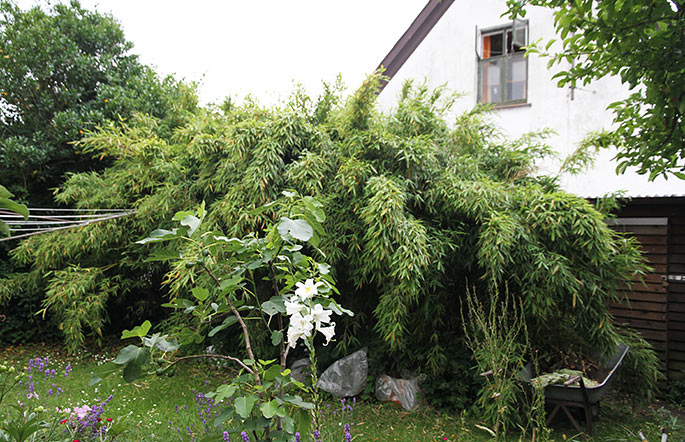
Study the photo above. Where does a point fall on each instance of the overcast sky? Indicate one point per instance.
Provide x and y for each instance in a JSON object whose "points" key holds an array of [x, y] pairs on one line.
{"points": [[261, 47]]}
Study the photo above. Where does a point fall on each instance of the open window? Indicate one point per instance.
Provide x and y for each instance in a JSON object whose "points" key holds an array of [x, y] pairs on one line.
{"points": [[502, 67]]}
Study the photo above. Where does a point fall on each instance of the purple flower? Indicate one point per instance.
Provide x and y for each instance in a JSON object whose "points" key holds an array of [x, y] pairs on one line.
{"points": [[297, 437], [226, 436], [348, 434], [317, 436], [245, 437]]}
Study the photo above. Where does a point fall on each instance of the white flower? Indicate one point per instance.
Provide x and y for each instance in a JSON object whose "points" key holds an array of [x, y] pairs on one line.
{"points": [[321, 315], [300, 327], [328, 332], [292, 307], [307, 290]]}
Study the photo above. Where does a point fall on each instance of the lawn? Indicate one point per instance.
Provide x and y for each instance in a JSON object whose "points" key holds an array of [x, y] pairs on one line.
{"points": [[175, 409]]}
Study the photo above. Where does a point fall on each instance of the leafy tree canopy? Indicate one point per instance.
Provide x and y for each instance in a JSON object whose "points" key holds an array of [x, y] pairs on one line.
{"points": [[417, 211], [641, 41], [61, 73]]}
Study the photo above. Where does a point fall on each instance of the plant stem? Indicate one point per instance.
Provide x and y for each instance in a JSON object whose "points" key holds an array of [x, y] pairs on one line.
{"points": [[246, 333]]}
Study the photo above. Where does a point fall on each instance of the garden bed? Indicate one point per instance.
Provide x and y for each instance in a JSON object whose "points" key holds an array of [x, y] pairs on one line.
{"points": [[167, 408]]}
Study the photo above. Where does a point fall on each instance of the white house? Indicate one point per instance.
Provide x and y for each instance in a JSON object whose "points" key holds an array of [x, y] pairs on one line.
{"points": [[472, 48]]}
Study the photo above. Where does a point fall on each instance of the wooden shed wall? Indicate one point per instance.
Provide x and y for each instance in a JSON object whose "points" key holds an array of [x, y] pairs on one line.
{"points": [[676, 298], [657, 309], [647, 306]]}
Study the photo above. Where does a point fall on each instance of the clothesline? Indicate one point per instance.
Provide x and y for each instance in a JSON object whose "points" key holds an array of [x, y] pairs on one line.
{"points": [[46, 222]]}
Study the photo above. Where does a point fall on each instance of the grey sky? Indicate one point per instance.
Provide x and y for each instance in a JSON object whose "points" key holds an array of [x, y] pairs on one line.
{"points": [[261, 47]]}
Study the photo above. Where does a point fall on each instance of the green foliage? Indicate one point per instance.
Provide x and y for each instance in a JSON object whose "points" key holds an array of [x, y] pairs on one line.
{"points": [[7, 204], [642, 42], [63, 72], [413, 212], [21, 324], [498, 339], [263, 397], [635, 378]]}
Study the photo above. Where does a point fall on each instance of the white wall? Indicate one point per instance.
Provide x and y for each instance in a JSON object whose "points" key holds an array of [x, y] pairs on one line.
{"points": [[447, 56]]}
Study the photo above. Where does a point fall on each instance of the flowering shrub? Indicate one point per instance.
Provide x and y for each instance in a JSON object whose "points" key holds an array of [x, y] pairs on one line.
{"points": [[86, 423], [262, 401], [30, 419]]}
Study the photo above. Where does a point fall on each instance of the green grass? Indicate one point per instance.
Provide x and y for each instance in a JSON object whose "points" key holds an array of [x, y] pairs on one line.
{"points": [[148, 405]]}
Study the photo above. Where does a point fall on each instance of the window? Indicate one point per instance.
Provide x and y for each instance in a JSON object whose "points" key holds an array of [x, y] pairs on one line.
{"points": [[502, 69]]}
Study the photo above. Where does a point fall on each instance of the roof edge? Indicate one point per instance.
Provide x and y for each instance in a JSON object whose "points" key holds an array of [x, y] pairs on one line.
{"points": [[412, 38]]}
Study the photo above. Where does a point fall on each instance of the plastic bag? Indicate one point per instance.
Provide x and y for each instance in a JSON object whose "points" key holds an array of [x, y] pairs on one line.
{"points": [[347, 376], [400, 391], [300, 370]]}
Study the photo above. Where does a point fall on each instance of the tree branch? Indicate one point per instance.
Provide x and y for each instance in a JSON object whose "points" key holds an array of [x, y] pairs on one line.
{"points": [[246, 333], [230, 358]]}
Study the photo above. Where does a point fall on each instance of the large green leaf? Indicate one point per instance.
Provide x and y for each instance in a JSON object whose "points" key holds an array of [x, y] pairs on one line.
{"points": [[223, 391], [228, 413], [4, 193], [295, 228], [103, 371], [192, 222], [244, 404], [200, 293], [276, 338], [164, 343], [270, 409], [138, 331], [8, 204], [134, 360], [162, 235], [274, 306], [230, 320]]}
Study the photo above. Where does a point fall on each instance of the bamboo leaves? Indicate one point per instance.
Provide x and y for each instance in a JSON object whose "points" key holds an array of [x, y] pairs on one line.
{"points": [[415, 209]]}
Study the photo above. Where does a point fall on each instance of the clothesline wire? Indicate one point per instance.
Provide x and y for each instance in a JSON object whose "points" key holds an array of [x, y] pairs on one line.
{"points": [[78, 221]]}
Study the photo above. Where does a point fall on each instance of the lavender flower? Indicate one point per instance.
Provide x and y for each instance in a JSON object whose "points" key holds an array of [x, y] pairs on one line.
{"points": [[317, 436], [348, 434], [245, 437], [226, 436], [297, 437]]}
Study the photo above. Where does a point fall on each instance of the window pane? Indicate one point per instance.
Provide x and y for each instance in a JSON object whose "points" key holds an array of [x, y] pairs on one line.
{"points": [[519, 40], [519, 37], [516, 78], [491, 91], [492, 45]]}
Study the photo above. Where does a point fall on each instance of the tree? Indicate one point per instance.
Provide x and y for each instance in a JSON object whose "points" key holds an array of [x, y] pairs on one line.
{"points": [[62, 73], [641, 41], [417, 212]]}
